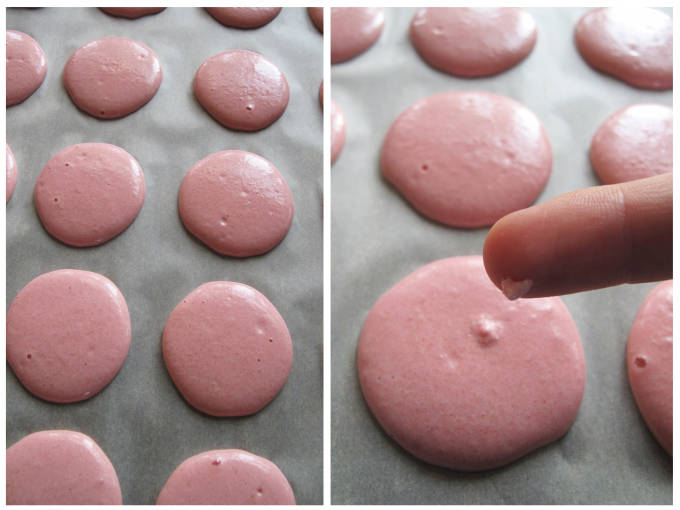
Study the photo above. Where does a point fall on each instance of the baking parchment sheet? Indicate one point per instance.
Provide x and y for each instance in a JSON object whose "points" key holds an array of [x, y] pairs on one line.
{"points": [[609, 455], [140, 420]]}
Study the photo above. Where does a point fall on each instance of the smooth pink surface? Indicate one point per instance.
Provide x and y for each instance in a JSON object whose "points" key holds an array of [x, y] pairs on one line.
{"points": [[89, 193], [354, 30], [11, 168], [634, 143], [241, 89], [226, 477], [244, 17], [473, 41], [227, 349], [338, 131], [650, 362], [112, 77], [316, 15], [632, 44], [465, 158], [237, 203], [68, 332], [132, 12], [60, 467], [462, 377], [26, 66]]}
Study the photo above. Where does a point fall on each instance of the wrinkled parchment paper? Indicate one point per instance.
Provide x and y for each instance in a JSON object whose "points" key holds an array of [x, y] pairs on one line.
{"points": [[609, 455], [140, 420]]}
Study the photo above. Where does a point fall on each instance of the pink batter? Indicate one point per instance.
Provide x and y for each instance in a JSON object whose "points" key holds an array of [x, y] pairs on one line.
{"points": [[463, 378], [244, 17], [112, 77], [26, 66], [632, 44], [60, 467], [338, 131], [338, 127], [466, 159], [132, 12], [11, 168], [316, 15], [650, 362], [473, 41], [354, 30], [237, 203], [89, 193], [634, 143], [242, 90], [68, 333], [226, 477], [227, 349]]}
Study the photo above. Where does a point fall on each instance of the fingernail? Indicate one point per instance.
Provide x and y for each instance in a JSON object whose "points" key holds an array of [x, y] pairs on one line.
{"points": [[514, 289]]}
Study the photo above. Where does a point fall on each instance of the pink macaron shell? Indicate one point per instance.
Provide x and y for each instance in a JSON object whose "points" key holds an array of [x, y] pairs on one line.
{"points": [[227, 349], [354, 30], [634, 143], [242, 90], [649, 358], [60, 467], [131, 12], [467, 158], [26, 66], [237, 203], [244, 17], [226, 477], [338, 131], [68, 333], [463, 378], [112, 77], [475, 41], [634, 44], [89, 193], [11, 168], [316, 15]]}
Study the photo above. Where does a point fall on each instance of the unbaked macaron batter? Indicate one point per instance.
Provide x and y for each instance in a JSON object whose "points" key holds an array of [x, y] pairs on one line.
{"points": [[226, 477], [242, 90], [466, 158], [634, 143], [473, 41], [112, 77], [633, 44], [316, 15], [462, 377], [338, 131], [68, 333], [354, 30], [338, 127], [131, 12], [11, 169], [237, 203], [227, 349], [60, 467], [89, 193], [26, 66], [649, 358], [244, 17]]}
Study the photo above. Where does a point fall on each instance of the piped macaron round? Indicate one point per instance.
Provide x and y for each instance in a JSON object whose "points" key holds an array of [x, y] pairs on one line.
{"points": [[112, 77]]}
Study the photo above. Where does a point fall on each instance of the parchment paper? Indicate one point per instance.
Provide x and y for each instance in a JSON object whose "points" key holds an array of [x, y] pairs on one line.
{"points": [[608, 456], [140, 420]]}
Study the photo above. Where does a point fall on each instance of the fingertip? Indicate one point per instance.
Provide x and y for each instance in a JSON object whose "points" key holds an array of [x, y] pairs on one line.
{"points": [[503, 256], [490, 255], [583, 240]]}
